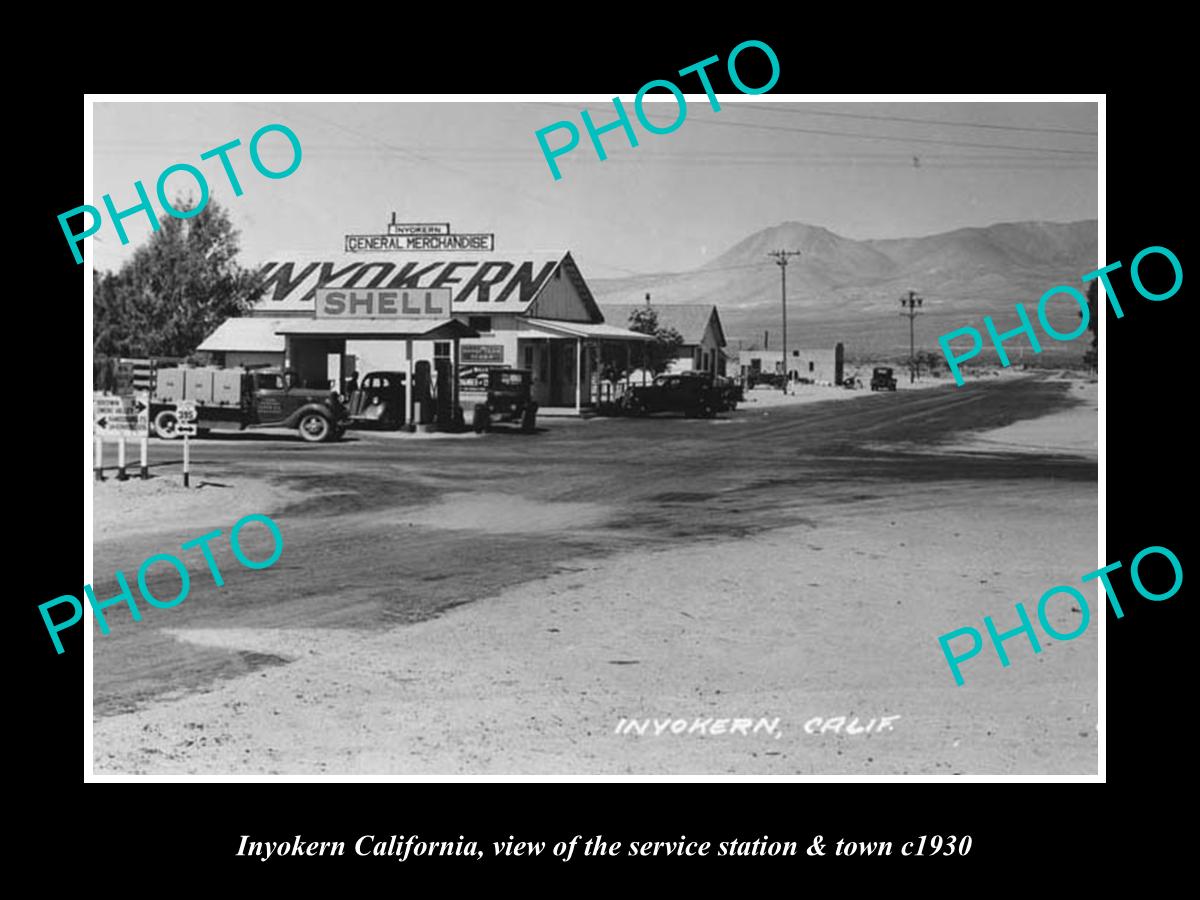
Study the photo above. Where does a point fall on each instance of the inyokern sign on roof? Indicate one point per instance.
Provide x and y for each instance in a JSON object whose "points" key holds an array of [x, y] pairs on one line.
{"points": [[478, 284]]}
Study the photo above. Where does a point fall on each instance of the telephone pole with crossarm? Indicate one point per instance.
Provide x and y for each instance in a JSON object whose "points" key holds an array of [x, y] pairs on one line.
{"points": [[781, 259]]}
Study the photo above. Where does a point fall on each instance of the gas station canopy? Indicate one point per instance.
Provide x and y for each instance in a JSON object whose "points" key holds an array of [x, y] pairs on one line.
{"points": [[380, 329]]}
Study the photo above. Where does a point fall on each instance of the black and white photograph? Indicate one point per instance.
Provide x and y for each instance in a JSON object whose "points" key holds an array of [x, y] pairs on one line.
{"points": [[732, 434]]}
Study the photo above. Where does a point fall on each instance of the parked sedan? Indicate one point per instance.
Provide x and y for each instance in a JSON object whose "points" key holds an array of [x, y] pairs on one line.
{"points": [[692, 393]]}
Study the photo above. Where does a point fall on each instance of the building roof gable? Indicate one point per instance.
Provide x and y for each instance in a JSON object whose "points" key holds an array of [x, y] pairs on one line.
{"points": [[691, 320]]}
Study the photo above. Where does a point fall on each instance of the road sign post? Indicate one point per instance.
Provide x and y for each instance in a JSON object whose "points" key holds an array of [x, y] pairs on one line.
{"points": [[185, 417], [121, 416]]}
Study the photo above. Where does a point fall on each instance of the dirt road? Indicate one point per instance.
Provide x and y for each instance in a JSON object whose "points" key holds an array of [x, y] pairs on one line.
{"points": [[500, 603]]}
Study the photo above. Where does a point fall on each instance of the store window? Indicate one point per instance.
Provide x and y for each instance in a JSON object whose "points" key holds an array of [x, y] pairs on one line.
{"points": [[810, 365], [480, 323], [441, 349]]}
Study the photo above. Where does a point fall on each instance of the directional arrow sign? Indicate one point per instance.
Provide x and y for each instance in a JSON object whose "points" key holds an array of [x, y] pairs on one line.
{"points": [[117, 416]]}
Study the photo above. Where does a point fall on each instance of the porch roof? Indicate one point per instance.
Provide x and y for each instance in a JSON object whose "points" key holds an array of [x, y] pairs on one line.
{"points": [[597, 330]]}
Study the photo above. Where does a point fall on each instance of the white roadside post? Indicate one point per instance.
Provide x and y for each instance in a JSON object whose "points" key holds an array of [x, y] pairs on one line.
{"points": [[142, 406], [185, 417], [120, 416]]}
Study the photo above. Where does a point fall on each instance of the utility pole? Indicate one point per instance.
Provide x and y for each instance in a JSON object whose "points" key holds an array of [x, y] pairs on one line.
{"points": [[645, 358], [781, 260], [911, 304]]}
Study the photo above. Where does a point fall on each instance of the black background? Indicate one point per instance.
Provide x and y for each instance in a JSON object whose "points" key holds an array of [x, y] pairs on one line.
{"points": [[1017, 829]]}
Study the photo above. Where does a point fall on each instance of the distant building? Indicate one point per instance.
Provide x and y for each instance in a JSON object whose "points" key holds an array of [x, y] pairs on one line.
{"points": [[822, 366], [698, 324]]}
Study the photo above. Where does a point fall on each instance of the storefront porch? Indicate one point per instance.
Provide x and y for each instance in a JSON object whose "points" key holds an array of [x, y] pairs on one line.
{"points": [[565, 359]]}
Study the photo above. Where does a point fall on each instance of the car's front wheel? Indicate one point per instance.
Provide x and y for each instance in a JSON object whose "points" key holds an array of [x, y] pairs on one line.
{"points": [[314, 428]]}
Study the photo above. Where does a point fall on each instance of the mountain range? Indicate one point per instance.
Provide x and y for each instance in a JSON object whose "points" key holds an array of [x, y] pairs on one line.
{"points": [[846, 290]]}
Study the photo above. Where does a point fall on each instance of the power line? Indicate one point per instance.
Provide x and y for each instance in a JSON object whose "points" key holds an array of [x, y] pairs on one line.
{"points": [[869, 137], [844, 115]]}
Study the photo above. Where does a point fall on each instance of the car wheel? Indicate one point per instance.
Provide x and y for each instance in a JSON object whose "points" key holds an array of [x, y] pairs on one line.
{"points": [[479, 420], [529, 419], [166, 425], [314, 428]]}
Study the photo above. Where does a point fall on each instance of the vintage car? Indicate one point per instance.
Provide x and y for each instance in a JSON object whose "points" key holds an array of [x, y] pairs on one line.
{"points": [[692, 393], [883, 379], [731, 390], [379, 401], [759, 377], [498, 395]]}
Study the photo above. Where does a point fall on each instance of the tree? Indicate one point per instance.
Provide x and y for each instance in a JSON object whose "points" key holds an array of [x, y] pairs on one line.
{"points": [[656, 356], [928, 360], [1092, 357], [175, 289]]}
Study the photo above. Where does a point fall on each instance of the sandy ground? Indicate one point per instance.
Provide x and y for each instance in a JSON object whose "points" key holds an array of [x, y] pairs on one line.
{"points": [[801, 394], [141, 507], [655, 635], [804, 623], [1071, 431]]}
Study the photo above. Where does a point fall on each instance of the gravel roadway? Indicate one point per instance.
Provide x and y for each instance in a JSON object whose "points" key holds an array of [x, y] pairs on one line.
{"points": [[499, 604]]}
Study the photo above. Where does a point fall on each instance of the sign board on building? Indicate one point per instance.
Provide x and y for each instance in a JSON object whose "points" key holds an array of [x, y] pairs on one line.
{"points": [[481, 285], [121, 416], [378, 303], [489, 354], [395, 227], [444, 243], [407, 236]]}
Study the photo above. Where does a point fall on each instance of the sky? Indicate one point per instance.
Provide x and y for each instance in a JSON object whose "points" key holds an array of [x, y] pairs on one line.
{"points": [[674, 202]]}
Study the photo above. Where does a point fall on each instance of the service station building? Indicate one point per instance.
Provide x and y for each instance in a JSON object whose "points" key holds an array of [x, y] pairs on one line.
{"points": [[429, 319]]}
